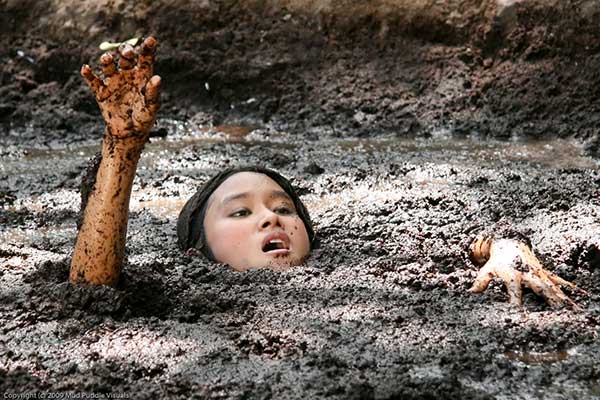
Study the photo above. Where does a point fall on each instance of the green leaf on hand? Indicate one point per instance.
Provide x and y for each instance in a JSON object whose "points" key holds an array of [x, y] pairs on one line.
{"points": [[106, 46]]}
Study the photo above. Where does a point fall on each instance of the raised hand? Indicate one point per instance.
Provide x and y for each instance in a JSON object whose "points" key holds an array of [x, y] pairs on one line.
{"points": [[128, 95], [514, 262], [128, 98]]}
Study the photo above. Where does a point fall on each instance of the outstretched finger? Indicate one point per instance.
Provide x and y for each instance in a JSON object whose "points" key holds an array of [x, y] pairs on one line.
{"points": [[147, 115], [554, 296], [127, 60], [107, 64], [93, 81], [152, 91], [484, 277], [146, 57], [560, 281], [513, 287]]}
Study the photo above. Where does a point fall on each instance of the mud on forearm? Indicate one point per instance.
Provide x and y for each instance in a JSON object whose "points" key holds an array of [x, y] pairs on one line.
{"points": [[107, 186], [88, 180], [86, 187]]}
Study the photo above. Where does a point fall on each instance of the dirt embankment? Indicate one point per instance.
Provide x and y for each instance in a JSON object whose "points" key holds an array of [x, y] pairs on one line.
{"points": [[512, 68]]}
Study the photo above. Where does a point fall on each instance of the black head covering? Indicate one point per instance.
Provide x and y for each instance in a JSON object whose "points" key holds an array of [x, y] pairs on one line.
{"points": [[190, 223]]}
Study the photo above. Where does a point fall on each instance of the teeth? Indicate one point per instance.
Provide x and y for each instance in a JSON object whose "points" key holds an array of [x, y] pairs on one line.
{"points": [[275, 241]]}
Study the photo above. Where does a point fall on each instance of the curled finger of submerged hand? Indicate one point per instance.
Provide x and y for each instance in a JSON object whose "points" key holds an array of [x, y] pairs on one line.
{"points": [[107, 64], [479, 250], [86, 71], [127, 51], [127, 60], [149, 46], [153, 90], [146, 58], [91, 79]]}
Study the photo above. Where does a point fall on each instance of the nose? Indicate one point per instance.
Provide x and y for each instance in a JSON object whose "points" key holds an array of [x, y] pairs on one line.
{"points": [[269, 219]]}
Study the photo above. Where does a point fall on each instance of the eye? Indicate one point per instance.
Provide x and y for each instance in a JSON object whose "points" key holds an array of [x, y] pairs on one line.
{"points": [[284, 210], [240, 213]]}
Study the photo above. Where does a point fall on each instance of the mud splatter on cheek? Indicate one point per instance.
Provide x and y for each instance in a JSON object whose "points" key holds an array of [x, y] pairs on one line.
{"points": [[295, 228]]}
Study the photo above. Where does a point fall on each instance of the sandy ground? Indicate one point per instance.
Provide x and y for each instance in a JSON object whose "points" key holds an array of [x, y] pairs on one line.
{"points": [[404, 148]]}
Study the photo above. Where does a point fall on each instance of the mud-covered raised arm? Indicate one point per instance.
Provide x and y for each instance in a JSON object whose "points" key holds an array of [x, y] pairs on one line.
{"points": [[516, 265], [128, 97]]}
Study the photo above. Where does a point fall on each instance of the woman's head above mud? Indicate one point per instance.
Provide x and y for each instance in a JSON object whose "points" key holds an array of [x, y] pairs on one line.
{"points": [[247, 217]]}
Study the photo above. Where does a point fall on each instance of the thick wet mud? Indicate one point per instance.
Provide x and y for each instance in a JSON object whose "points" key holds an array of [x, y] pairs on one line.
{"points": [[380, 310], [408, 128]]}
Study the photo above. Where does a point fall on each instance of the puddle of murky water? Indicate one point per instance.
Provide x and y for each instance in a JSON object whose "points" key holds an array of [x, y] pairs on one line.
{"points": [[554, 153], [159, 155], [161, 207], [32, 161], [537, 358], [233, 130]]}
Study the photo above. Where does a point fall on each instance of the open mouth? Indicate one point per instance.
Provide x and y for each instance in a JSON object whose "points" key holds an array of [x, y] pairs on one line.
{"points": [[276, 243]]}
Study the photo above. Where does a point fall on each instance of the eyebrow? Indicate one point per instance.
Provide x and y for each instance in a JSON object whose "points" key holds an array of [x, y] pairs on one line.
{"points": [[277, 194], [280, 194]]}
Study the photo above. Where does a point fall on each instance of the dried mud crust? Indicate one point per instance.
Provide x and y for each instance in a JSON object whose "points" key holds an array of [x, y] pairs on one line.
{"points": [[358, 68]]}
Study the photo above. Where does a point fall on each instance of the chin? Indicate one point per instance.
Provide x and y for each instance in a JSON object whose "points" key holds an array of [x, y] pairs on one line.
{"points": [[275, 264], [281, 266], [285, 263]]}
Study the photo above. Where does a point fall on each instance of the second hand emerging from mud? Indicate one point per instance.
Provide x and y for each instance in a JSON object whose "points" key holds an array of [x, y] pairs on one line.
{"points": [[515, 264]]}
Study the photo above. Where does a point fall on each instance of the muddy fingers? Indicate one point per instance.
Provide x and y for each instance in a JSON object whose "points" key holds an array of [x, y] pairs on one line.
{"points": [[128, 98], [484, 277], [542, 286], [152, 90], [513, 282], [94, 82], [146, 57], [127, 59], [515, 264], [151, 101], [107, 64], [560, 281]]}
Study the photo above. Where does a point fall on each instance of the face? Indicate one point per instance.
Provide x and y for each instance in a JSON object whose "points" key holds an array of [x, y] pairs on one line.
{"points": [[251, 222]]}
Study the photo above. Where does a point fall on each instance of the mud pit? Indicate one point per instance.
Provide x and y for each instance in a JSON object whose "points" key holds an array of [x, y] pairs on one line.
{"points": [[380, 310]]}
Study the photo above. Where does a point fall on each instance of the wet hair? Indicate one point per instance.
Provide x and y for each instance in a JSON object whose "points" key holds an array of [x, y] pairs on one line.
{"points": [[190, 223]]}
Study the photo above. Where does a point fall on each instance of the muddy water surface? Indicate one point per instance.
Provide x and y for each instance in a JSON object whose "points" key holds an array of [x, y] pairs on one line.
{"points": [[380, 310]]}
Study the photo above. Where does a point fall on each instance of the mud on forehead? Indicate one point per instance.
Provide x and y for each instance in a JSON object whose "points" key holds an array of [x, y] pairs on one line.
{"points": [[228, 191]]}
